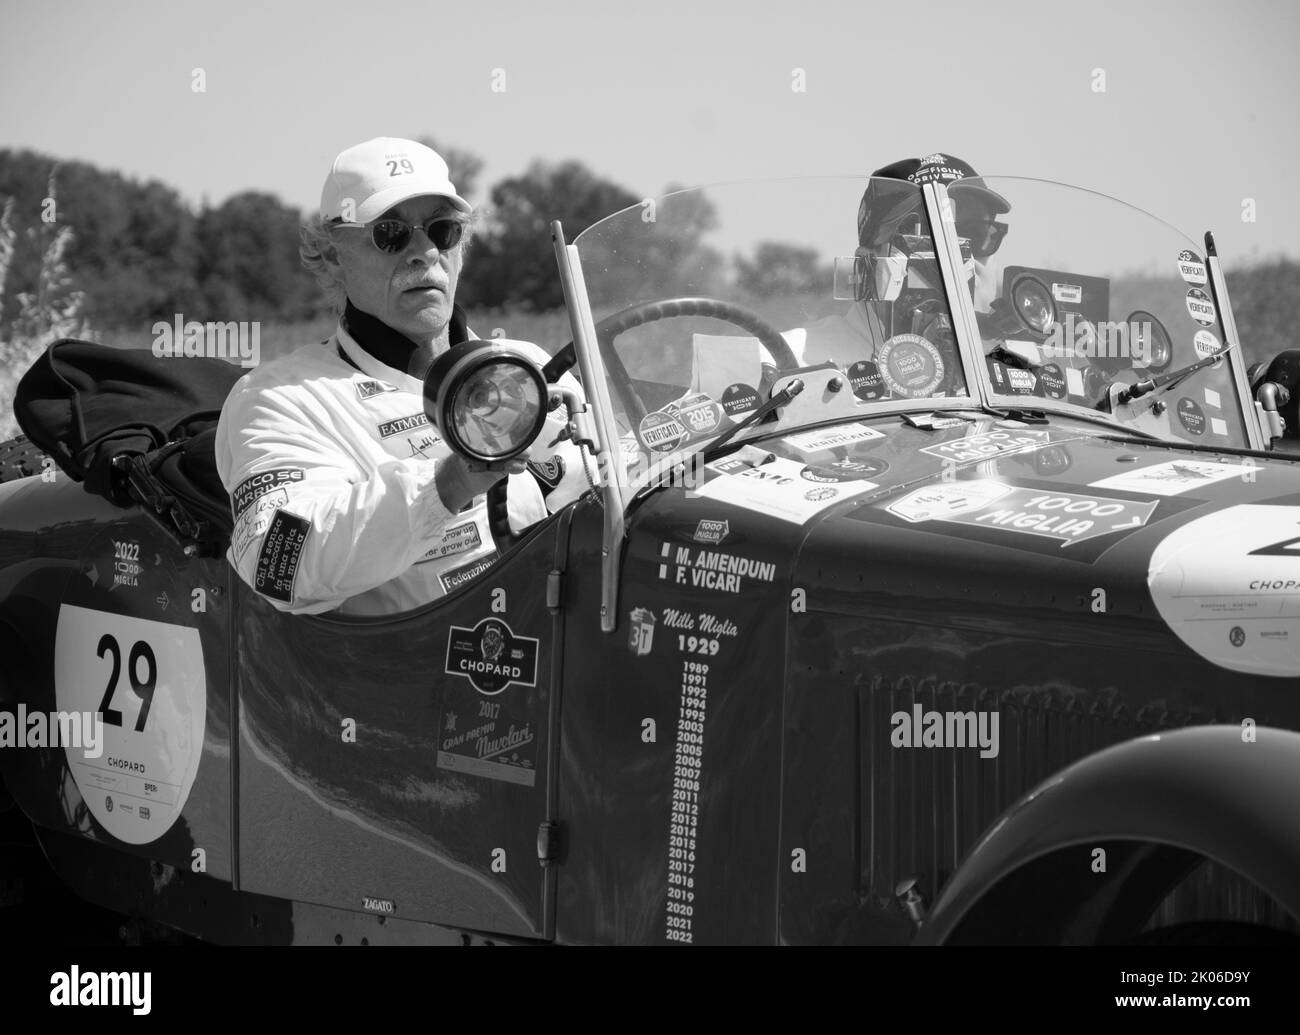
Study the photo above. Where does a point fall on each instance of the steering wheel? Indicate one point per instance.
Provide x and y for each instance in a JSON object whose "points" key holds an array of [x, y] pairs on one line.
{"points": [[606, 331], [646, 312]]}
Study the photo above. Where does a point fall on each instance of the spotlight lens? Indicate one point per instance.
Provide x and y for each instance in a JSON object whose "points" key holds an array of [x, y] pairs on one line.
{"points": [[1034, 305], [495, 412], [1149, 341]]}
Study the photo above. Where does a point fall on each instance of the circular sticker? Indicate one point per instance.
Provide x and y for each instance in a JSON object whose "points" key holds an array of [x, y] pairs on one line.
{"points": [[1205, 344], [1201, 307], [1191, 416], [860, 466], [849, 470], [1225, 581], [124, 661], [661, 432], [739, 398], [865, 380], [1053, 380], [699, 415], [1191, 268], [910, 365]]}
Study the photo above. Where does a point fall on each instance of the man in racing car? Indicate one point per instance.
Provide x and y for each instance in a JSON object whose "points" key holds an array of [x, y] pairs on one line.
{"points": [[891, 220], [344, 495]]}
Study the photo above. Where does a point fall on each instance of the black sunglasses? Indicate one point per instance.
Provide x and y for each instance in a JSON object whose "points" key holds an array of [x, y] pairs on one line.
{"points": [[970, 227], [393, 235]]}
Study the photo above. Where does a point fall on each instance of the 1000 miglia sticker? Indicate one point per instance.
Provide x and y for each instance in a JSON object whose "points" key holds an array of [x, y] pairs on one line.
{"points": [[1228, 584]]}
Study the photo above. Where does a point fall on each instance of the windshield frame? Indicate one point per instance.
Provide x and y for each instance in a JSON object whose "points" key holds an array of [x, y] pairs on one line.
{"points": [[972, 346], [618, 494]]}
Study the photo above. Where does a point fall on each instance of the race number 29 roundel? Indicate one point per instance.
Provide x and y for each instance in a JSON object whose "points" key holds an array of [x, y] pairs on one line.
{"points": [[122, 653], [1228, 584]]}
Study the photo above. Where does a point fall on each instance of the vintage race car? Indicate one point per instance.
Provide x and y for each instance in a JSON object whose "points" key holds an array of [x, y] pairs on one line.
{"points": [[923, 596]]}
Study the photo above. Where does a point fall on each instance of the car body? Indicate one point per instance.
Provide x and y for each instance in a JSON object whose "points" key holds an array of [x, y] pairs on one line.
{"points": [[957, 646]]}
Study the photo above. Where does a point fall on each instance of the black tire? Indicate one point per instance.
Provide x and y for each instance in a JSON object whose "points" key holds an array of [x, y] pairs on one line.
{"points": [[19, 458], [1218, 932]]}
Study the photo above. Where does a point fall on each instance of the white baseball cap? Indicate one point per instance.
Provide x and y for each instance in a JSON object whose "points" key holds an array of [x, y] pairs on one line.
{"points": [[368, 179]]}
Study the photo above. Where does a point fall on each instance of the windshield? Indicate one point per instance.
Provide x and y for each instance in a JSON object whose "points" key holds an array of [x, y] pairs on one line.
{"points": [[757, 279], [1075, 292]]}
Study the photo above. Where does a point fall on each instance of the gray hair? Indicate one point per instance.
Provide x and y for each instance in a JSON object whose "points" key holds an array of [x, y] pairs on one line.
{"points": [[316, 247]]}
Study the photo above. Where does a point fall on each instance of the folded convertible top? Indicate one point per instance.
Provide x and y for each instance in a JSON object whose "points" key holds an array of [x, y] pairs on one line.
{"points": [[88, 405]]}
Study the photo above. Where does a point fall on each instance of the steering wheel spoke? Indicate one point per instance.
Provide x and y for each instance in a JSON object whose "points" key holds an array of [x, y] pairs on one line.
{"points": [[647, 312]]}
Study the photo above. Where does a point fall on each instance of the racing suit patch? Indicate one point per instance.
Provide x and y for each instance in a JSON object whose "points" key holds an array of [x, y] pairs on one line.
{"points": [[369, 389], [455, 540], [260, 484], [277, 563], [254, 521], [457, 577], [402, 425], [550, 472]]}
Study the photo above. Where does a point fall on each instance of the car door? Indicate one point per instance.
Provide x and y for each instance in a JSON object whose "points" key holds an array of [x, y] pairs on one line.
{"points": [[404, 765]]}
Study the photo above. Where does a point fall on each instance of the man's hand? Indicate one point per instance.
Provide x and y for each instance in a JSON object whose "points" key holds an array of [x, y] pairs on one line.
{"points": [[460, 481]]}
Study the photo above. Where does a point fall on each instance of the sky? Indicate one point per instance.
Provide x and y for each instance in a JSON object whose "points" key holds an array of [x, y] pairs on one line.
{"points": [[1198, 111]]}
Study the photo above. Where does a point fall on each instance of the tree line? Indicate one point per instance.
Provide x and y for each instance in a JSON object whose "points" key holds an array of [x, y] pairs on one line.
{"points": [[138, 252]]}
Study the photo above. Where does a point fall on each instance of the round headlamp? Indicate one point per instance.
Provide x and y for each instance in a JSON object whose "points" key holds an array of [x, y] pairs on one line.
{"points": [[1033, 304], [1149, 343], [487, 399]]}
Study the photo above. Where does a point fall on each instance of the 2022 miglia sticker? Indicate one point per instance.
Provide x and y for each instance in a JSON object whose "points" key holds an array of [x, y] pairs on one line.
{"points": [[1228, 584], [146, 679]]}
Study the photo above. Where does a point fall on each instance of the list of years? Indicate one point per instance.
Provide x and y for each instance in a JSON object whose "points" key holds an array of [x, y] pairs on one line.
{"points": [[686, 801]]}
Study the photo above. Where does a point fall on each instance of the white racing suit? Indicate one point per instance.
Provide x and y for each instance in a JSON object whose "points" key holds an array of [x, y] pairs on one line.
{"points": [[330, 460]]}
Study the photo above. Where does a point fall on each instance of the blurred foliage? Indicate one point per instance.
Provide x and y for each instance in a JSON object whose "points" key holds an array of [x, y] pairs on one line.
{"points": [[780, 269], [52, 309], [118, 254], [1266, 303], [465, 166], [246, 264], [512, 262]]}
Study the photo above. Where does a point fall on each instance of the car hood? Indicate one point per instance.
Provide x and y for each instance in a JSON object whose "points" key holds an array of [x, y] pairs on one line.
{"points": [[988, 520]]}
